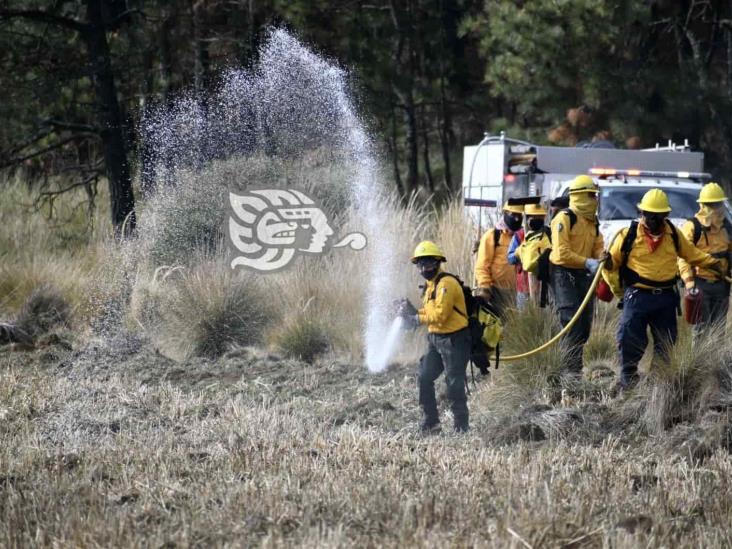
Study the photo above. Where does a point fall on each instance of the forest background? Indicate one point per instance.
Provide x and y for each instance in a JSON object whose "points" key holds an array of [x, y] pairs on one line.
{"points": [[430, 77]]}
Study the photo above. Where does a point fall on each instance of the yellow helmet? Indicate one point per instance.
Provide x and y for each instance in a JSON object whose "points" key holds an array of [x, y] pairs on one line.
{"points": [[654, 201], [711, 192], [534, 210], [513, 208], [582, 184], [427, 248]]}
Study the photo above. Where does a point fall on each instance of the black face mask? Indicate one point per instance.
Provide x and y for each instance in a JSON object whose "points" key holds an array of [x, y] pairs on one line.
{"points": [[536, 224], [654, 222], [512, 220], [428, 268]]}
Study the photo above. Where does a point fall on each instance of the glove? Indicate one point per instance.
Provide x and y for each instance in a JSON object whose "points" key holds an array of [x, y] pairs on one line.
{"points": [[405, 308], [484, 293], [690, 284], [608, 260], [410, 322], [592, 265]]}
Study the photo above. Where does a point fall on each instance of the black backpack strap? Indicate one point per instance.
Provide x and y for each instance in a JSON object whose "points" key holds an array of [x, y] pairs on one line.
{"points": [[629, 276], [628, 242], [674, 235], [697, 230], [496, 238], [439, 277], [572, 217]]}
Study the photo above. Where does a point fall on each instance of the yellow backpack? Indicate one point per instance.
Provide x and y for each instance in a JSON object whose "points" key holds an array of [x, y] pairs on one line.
{"points": [[492, 327], [532, 248]]}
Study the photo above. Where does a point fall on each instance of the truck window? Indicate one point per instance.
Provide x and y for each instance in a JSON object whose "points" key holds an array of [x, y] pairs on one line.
{"points": [[621, 202]]}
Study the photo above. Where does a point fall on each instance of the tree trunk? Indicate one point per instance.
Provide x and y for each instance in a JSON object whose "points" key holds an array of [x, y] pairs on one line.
{"points": [[426, 152], [110, 120], [201, 57], [410, 127], [394, 145]]}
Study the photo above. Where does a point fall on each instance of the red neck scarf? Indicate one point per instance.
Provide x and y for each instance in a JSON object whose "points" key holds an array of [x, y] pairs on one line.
{"points": [[652, 241]]}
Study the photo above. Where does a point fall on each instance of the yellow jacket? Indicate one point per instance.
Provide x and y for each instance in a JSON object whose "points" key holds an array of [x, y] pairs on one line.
{"points": [[659, 265], [445, 312], [571, 246], [714, 240], [492, 267]]}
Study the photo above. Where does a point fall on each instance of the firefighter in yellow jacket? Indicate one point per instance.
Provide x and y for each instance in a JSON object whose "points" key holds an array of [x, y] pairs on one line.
{"points": [[494, 275], [444, 312], [575, 257], [643, 270], [710, 232]]}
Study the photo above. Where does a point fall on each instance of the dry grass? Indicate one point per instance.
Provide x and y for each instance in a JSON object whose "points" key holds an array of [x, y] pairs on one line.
{"points": [[104, 441], [254, 452]]}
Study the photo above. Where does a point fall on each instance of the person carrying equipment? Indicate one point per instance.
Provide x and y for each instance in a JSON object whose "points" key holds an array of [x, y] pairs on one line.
{"points": [[711, 232], [494, 276], [526, 252], [643, 258], [575, 257], [445, 313]]}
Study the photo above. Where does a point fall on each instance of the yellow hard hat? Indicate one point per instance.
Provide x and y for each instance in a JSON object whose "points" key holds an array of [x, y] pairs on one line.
{"points": [[711, 192], [654, 201], [582, 184], [427, 248], [534, 210], [513, 208]]}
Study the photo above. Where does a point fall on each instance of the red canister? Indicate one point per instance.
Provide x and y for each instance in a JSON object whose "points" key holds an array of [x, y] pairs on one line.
{"points": [[603, 291], [693, 305]]}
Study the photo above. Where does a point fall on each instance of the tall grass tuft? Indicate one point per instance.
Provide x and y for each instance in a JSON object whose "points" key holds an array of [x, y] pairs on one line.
{"points": [[303, 337], [202, 310], [696, 377]]}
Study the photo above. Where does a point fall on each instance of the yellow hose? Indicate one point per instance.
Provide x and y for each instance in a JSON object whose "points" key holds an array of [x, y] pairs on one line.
{"points": [[569, 325]]}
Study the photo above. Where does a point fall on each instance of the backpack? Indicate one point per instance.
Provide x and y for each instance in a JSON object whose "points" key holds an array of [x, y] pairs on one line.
{"points": [[628, 277], [484, 325], [531, 250], [699, 230], [573, 219]]}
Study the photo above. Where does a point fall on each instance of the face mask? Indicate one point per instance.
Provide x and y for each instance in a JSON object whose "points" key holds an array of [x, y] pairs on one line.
{"points": [[536, 224], [512, 220], [585, 204], [711, 215], [428, 268], [654, 222]]}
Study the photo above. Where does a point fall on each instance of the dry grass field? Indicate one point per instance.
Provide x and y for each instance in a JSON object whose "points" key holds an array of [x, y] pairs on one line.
{"points": [[177, 422]]}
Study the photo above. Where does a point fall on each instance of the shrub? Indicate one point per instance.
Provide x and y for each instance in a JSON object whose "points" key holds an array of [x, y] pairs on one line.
{"points": [[202, 311], [303, 337]]}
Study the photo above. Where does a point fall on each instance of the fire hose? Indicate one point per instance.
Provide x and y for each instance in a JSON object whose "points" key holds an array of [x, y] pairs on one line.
{"points": [[572, 321]]}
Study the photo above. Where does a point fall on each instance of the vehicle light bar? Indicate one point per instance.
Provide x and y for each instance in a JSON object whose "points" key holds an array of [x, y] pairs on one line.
{"points": [[605, 172]]}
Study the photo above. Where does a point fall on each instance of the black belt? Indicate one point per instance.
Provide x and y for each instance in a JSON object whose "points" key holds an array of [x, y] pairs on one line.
{"points": [[655, 291]]}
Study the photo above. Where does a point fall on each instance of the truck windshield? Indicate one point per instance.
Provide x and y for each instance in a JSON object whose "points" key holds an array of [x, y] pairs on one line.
{"points": [[620, 202]]}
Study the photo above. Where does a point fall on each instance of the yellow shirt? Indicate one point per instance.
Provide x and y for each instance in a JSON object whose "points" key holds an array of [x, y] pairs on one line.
{"points": [[713, 240], [571, 246], [446, 312], [492, 267], [659, 265]]}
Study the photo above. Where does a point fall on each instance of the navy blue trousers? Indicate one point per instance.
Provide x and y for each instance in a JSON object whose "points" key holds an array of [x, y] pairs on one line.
{"points": [[641, 310]]}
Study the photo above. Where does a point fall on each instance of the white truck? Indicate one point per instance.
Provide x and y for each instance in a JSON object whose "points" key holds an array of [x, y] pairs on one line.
{"points": [[499, 168]]}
